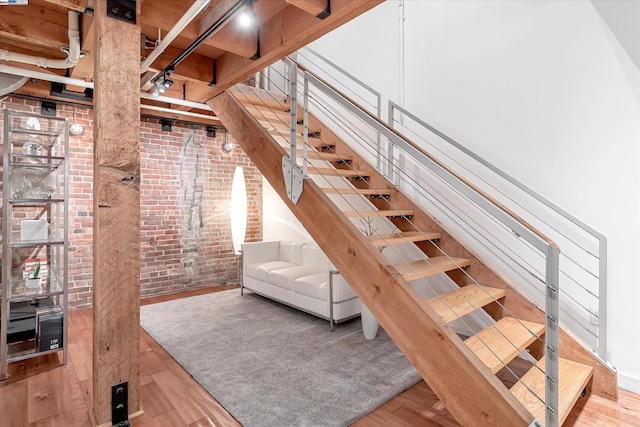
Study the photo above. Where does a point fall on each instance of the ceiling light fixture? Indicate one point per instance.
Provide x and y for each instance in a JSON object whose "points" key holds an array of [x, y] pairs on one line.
{"points": [[247, 18], [227, 146], [162, 83]]}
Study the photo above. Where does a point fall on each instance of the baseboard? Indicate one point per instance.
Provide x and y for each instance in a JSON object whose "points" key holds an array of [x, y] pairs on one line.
{"points": [[629, 383]]}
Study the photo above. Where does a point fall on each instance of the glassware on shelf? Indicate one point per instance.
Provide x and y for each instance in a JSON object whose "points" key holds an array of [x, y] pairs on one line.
{"points": [[33, 149], [32, 183]]}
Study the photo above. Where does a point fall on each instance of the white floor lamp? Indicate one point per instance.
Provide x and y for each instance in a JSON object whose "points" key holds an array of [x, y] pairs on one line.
{"points": [[238, 213]]}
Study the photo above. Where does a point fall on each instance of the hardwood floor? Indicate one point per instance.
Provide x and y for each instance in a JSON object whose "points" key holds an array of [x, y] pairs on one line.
{"points": [[41, 392]]}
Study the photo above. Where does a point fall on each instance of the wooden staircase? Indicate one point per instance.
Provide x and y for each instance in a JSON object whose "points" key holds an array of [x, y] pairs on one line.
{"points": [[460, 372]]}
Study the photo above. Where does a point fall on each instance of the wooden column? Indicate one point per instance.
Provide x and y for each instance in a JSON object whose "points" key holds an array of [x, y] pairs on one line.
{"points": [[116, 229]]}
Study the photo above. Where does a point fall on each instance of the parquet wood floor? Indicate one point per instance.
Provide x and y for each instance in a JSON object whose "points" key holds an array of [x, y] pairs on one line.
{"points": [[41, 392]]}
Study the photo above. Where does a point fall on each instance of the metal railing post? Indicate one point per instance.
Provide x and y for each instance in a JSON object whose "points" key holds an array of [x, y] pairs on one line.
{"points": [[379, 135], [305, 135], [390, 150], [602, 293], [293, 108], [552, 334]]}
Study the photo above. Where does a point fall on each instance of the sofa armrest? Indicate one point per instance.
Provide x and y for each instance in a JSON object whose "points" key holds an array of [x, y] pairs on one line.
{"points": [[341, 289], [256, 252]]}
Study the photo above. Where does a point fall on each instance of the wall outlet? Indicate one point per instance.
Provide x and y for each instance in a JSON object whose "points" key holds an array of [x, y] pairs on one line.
{"points": [[594, 316]]}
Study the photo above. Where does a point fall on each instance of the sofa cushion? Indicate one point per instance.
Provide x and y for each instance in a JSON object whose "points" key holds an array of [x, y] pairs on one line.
{"points": [[284, 277], [291, 252], [314, 286], [260, 270], [312, 256]]}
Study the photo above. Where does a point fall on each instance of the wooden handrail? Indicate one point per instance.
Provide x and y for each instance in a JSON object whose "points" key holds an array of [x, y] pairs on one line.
{"points": [[453, 173]]}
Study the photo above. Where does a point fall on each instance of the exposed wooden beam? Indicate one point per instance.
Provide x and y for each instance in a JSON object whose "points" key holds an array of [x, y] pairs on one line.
{"points": [[220, 7], [154, 14], [78, 5], [116, 229], [34, 24], [316, 8], [195, 67], [283, 34]]}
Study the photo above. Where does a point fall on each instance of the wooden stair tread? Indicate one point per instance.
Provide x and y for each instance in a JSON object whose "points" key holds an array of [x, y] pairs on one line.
{"points": [[339, 172], [429, 267], [278, 127], [312, 141], [260, 97], [403, 237], [387, 213], [500, 343], [362, 191], [465, 300], [572, 379], [323, 155]]}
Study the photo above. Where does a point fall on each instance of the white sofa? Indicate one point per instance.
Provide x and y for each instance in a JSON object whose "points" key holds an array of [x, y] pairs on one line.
{"points": [[299, 275]]}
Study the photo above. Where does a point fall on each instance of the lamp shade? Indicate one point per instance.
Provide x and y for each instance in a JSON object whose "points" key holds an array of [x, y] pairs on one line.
{"points": [[238, 209]]}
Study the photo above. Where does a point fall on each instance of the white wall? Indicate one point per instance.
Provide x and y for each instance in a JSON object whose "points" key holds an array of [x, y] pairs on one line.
{"points": [[545, 91]]}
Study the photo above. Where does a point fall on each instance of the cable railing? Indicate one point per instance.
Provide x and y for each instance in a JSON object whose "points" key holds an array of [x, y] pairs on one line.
{"points": [[510, 222], [583, 261]]}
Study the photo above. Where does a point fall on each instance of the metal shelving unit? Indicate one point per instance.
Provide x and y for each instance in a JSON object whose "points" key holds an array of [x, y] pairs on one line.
{"points": [[34, 231]]}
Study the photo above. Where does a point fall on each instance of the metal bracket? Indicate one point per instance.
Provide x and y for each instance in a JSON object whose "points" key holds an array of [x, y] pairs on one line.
{"points": [[124, 10], [215, 74], [293, 179], [257, 54], [326, 12], [120, 405], [407, 217], [48, 108]]}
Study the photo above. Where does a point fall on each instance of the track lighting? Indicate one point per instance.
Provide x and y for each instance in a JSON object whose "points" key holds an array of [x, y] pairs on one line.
{"points": [[163, 83]]}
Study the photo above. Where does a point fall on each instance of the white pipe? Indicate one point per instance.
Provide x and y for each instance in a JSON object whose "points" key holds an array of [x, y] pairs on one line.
{"points": [[73, 53], [13, 86], [177, 101], [8, 69], [197, 7], [182, 113]]}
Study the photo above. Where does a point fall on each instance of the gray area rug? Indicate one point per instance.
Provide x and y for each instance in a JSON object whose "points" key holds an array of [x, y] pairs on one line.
{"points": [[270, 365]]}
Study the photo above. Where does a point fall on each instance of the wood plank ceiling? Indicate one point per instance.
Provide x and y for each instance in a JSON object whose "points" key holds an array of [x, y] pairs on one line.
{"points": [[281, 27]]}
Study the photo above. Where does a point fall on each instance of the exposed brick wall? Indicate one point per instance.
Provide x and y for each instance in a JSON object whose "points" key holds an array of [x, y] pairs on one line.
{"points": [[185, 233]]}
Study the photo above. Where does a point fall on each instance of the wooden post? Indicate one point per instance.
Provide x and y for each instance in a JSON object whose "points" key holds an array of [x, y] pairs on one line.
{"points": [[116, 210]]}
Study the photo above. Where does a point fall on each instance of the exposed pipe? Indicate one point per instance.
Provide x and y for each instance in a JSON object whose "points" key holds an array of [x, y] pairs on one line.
{"points": [[13, 86], [182, 113], [177, 101], [9, 69], [73, 51], [197, 7]]}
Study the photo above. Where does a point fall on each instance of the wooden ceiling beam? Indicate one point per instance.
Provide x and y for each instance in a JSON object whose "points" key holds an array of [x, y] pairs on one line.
{"points": [[228, 38], [77, 5], [195, 67], [34, 25], [283, 34], [317, 8], [214, 14]]}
